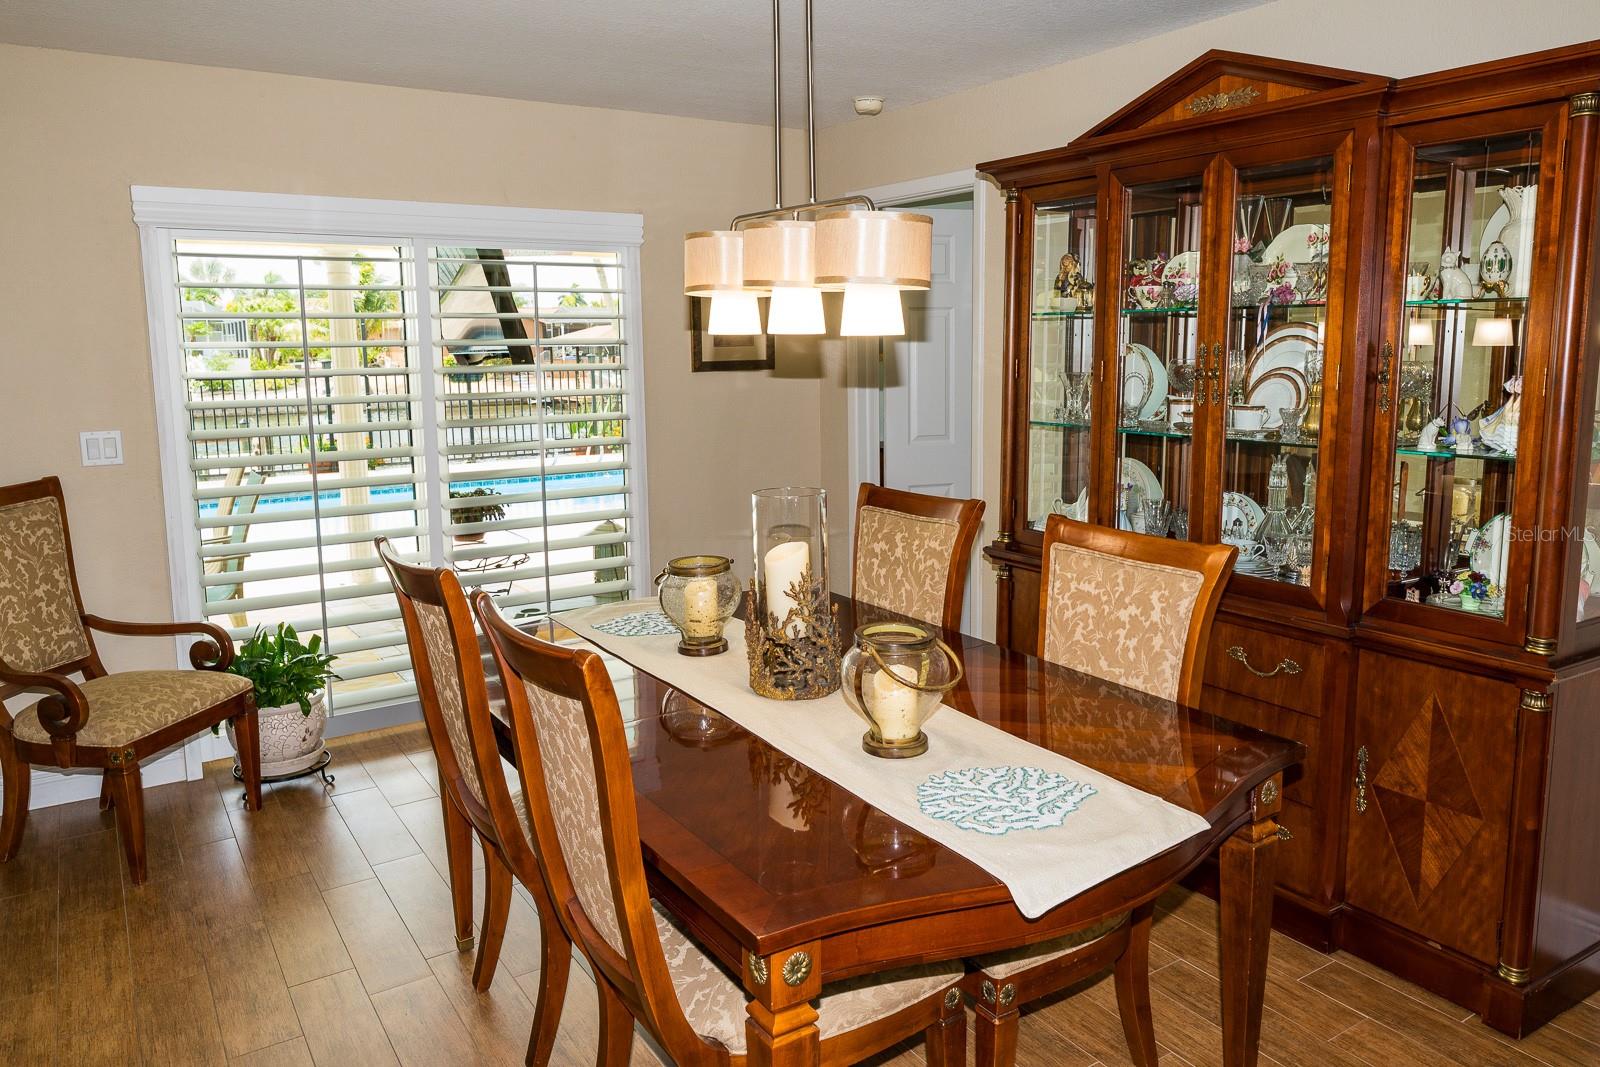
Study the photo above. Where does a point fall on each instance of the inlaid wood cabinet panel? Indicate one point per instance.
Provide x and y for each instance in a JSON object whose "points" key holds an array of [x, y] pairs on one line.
{"points": [[1430, 800]]}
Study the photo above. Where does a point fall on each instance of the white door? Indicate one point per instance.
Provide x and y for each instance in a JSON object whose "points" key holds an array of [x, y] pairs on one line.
{"points": [[927, 374], [926, 402]]}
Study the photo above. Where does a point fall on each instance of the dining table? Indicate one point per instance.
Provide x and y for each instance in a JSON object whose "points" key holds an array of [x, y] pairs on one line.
{"points": [[793, 882]]}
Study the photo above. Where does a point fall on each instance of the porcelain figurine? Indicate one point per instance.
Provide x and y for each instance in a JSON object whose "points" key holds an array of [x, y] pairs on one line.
{"points": [[1494, 270], [1428, 439], [1076, 291], [1461, 434], [1499, 429], [1454, 284], [1517, 235]]}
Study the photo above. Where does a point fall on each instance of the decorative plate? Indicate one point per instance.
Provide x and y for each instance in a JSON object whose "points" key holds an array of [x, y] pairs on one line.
{"points": [[1144, 380], [1240, 507], [1275, 376], [1146, 486], [1488, 548], [997, 800], [1183, 267], [1294, 243], [638, 624]]}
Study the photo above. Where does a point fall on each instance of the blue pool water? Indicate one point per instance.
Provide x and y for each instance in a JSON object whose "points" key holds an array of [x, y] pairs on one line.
{"points": [[599, 481]]}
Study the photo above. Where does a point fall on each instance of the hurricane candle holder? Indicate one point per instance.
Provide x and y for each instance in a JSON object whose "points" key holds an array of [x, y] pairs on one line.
{"points": [[699, 595], [895, 676], [791, 626]]}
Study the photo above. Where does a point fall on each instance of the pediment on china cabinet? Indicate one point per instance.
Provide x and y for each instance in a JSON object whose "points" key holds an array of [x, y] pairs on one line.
{"points": [[1230, 84]]}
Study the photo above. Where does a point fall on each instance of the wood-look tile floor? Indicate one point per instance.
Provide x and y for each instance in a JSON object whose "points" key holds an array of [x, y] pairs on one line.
{"points": [[318, 931]]}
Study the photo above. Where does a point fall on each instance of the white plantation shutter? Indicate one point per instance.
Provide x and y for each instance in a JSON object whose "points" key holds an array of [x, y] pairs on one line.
{"points": [[303, 416], [532, 363], [319, 391]]}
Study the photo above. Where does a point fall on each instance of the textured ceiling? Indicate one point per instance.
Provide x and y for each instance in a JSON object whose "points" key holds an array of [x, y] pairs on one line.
{"points": [[703, 58]]}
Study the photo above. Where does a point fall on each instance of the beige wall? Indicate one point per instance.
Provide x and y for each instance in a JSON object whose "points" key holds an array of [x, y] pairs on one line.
{"points": [[1048, 108], [77, 130]]}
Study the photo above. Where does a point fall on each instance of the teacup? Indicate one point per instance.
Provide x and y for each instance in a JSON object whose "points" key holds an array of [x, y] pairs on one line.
{"points": [[1250, 418]]}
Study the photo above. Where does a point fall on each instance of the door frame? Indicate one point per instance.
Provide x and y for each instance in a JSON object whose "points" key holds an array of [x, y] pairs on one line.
{"points": [[860, 393]]}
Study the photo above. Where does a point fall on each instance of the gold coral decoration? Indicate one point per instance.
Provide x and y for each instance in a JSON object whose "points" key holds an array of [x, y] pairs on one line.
{"points": [[799, 658]]}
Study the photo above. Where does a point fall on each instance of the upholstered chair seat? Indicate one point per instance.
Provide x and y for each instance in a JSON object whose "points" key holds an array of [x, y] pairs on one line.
{"points": [[911, 553], [714, 1002], [125, 707]]}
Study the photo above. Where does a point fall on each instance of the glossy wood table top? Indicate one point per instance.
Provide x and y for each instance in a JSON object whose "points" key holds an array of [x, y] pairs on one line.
{"points": [[774, 854]]}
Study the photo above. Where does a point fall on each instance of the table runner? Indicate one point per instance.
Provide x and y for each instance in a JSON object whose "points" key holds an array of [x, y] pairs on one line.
{"points": [[1045, 826]]}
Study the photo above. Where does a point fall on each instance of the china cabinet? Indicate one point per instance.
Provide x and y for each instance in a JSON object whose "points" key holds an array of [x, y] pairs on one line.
{"points": [[1341, 322]]}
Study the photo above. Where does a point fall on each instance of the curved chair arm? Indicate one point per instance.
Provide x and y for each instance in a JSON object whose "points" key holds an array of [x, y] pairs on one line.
{"points": [[210, 655], [63, 713]]}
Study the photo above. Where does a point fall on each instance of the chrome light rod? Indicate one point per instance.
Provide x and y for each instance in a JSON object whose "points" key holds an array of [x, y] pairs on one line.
{"points": [[794, 211]]}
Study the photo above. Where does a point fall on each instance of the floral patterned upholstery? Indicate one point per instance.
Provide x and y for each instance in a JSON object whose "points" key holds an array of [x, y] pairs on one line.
{"points": [[903, 561], [452, 701], [39, 624], [1002, 965], [569, 777], [714, 1002], [125, 707], [1120, 619]]}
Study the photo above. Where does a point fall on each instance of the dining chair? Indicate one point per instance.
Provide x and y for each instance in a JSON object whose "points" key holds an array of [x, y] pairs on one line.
{"points": [[106, 722], [912, 551], [1137, 611], [572, 755], [473, 792]]}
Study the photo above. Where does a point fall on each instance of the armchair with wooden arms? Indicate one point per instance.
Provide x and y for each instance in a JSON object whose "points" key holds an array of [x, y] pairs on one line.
{"points": [[107, 722]]}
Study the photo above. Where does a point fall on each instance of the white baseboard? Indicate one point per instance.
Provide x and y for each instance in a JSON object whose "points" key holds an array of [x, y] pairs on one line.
{"points": [[63, 787], [52, 787]]}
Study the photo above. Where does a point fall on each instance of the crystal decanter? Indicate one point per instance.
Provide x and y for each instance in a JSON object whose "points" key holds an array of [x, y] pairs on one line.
{"points": [[1274, 535]]}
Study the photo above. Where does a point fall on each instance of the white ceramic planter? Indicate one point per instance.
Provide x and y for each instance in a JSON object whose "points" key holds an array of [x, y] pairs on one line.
{"points": [[290, 740]]}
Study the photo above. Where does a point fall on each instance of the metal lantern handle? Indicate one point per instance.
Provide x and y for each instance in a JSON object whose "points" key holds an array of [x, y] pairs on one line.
{"points": [[655, 583], [961, 671]]}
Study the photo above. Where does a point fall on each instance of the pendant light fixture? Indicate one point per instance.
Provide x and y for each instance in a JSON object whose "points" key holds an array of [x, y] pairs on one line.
{"points": [[794, 252]]}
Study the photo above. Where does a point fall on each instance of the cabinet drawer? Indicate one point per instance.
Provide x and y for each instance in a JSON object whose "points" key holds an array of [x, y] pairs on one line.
{"points": [[1299, 853], [1275, 667], [1300, 785]]}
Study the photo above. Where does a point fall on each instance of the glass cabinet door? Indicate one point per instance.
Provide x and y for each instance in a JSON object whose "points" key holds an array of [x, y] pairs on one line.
{"points": [[1061, 360], [1450, 380], [1158, 349], [1272, 394]]}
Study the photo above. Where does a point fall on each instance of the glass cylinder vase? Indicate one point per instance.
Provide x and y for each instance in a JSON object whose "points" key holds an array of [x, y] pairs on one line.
{"points": [[792, 638]]}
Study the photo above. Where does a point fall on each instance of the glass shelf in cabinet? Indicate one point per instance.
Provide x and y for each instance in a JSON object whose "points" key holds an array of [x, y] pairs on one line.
{"points": [[1239, 437], [1152, 431], [1448, 455], [1046, 316], [1468, 302], [1187, 311], [1317, 305], [1058, 424]]}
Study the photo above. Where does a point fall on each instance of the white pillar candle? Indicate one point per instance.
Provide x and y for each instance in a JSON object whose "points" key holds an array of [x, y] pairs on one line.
{"points": [[893, 706], [782, 568], [700, 616]]}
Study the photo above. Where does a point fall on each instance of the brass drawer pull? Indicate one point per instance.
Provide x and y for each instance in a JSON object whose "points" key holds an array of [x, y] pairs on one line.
{"points": [[1285, 665], [1361, 779], [1284, 834]]}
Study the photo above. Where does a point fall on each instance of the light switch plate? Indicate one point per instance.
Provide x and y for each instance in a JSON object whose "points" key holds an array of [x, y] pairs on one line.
{"points": [[100, 448]]}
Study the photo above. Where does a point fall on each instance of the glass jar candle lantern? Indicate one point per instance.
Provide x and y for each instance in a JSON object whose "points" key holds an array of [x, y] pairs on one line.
{"points": [[895, 676], [699, 594], [791, 635]]}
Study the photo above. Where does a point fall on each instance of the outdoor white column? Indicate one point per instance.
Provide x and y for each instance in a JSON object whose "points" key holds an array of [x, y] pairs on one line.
{"points": [[343, 332]]}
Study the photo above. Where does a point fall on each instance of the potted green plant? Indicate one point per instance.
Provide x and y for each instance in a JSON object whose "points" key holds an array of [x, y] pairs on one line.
{"points": [[291, 689], [475, 512]]}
